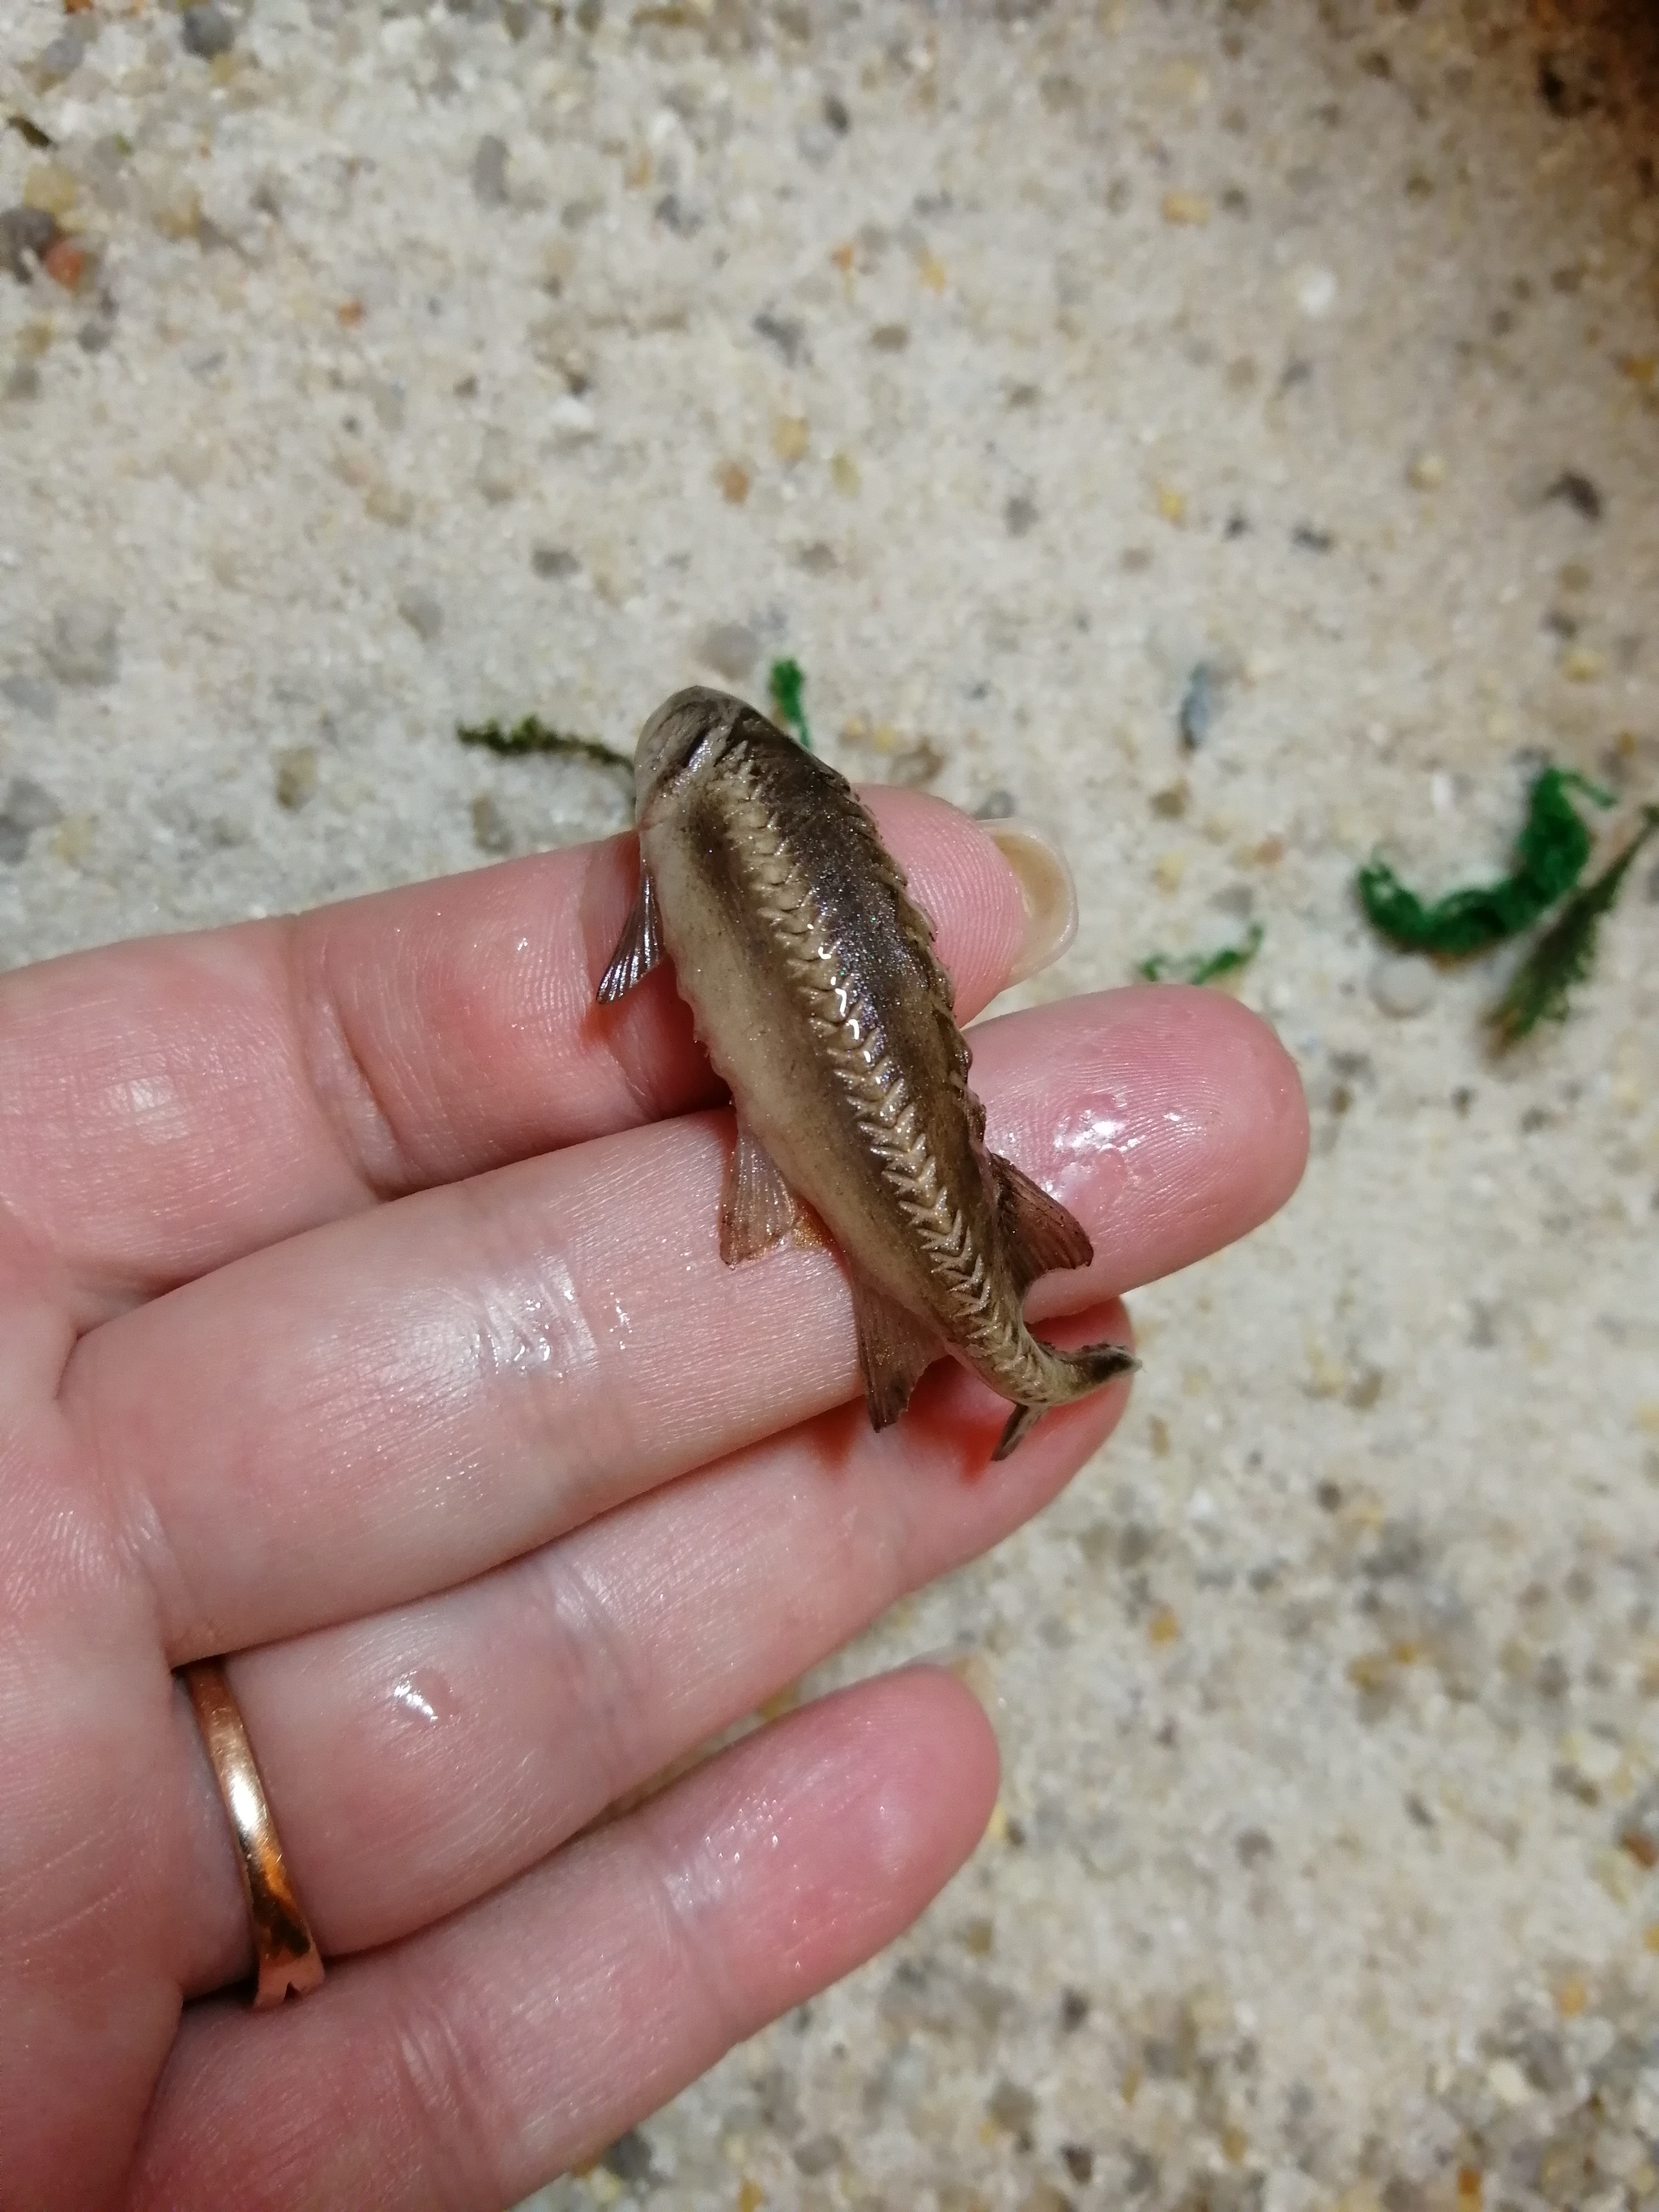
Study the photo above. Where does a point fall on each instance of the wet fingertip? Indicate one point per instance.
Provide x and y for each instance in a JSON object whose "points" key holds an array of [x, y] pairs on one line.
{"points": [[966, 1660]]}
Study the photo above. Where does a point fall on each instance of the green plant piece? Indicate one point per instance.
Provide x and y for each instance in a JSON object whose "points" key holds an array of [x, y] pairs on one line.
{"points": [[1202, 967], [1562, 955], [786, 684], [1550, 855], [532, 735]]}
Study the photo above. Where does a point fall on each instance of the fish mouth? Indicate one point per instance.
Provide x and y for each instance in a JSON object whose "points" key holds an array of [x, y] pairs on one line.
{"points": [[680, 735]]}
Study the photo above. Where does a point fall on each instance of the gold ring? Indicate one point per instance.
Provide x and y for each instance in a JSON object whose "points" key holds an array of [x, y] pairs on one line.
{"points": [[286, 1950]]}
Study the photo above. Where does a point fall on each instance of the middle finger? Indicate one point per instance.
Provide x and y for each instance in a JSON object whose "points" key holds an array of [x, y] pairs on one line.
{"points": [[393, 1403], [425, 1756]]}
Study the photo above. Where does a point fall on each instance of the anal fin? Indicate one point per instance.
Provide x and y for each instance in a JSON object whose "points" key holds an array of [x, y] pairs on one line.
{"points": [[758, 1210], [1039, 1234], [638, 948], [895, 1348]]}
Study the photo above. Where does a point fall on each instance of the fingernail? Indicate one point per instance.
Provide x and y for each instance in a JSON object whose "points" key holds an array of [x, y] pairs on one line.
{"points": [[1046, 886], [967, 1662]]}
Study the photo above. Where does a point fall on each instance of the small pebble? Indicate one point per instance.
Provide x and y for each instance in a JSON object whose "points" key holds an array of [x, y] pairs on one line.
{"points": [[60, 59], [389, 503], [790, 435], [837, 114], [29, 806], [782, 332], [498, 475], [30, 803], [51, 188], [23, 382], [1019, 515], [1190, 209], [732, 478], [27, 234], [1508, 2083], [1572, 488], [730, 649], [490, 172], [389, 399], [1404, 985], [629, 2157], [492, 832], [295, 778], [1426, 473], [67, 265], [1044, 2196], [208, 31], [890, 337], [915, 766], [1011, 2107], [997, 805], [1198, 705], [1315, 292], [572, 420], [818, 2153], [552, 563], [85, 645], [34, 697], [421, 610]]}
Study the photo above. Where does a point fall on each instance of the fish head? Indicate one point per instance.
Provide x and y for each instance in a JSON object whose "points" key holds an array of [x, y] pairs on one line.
{"points": [[686, 733]]}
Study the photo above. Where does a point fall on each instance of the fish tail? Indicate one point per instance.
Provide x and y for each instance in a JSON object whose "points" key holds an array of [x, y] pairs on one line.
{"points": [[1085, 1369]]}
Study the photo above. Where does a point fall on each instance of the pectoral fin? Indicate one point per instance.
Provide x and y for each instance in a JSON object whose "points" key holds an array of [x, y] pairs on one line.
{"points": [[758, 1210], [894, 1349], [638, 948], [1039, 1233]]}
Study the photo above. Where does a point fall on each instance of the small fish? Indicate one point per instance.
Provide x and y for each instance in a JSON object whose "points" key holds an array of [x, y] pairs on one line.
{"points": [[816, 991]]}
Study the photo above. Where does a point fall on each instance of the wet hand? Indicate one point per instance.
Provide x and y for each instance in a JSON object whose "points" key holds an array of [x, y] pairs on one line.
{"points": [[362, 1315]]}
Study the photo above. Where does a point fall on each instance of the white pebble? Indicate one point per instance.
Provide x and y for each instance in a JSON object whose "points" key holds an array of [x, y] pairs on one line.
{"points": [[1508, 2083], [730, 649], [572, 420], [1315, 292], [1404, 986]]}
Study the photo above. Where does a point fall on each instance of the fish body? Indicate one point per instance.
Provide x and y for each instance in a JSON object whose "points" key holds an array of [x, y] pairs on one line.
{"points": [[816, 991]]}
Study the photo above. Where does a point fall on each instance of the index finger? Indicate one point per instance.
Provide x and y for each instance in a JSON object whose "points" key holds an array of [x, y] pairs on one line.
{"points": [[169, 1105]]}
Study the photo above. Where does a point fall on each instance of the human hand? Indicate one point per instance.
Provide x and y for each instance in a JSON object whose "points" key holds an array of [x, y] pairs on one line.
{"points": [[362, 1314]]}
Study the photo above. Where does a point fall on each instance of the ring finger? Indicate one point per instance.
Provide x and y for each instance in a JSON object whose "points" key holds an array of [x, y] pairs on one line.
{"points": [[483, 1728]]}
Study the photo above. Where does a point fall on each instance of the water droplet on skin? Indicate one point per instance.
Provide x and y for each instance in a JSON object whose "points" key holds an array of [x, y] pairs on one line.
{"points": [[424, 1696]]}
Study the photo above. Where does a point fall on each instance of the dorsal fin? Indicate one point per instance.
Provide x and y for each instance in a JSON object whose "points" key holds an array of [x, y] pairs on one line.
{"points": [[1038, 1233]]}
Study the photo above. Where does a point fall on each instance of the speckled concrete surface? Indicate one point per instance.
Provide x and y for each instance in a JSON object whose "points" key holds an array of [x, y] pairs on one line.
{"points": [[1002, 364]]}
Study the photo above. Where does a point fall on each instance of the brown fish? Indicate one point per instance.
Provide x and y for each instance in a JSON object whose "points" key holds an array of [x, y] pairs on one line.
{"points": [[818, 997]]}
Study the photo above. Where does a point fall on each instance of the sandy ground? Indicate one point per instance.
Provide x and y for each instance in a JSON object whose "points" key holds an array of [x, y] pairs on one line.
{"points": [[1003, 364]]}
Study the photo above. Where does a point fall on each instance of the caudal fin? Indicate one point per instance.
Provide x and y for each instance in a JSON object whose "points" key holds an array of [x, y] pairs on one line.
{"points": [[1092, 1364]]}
